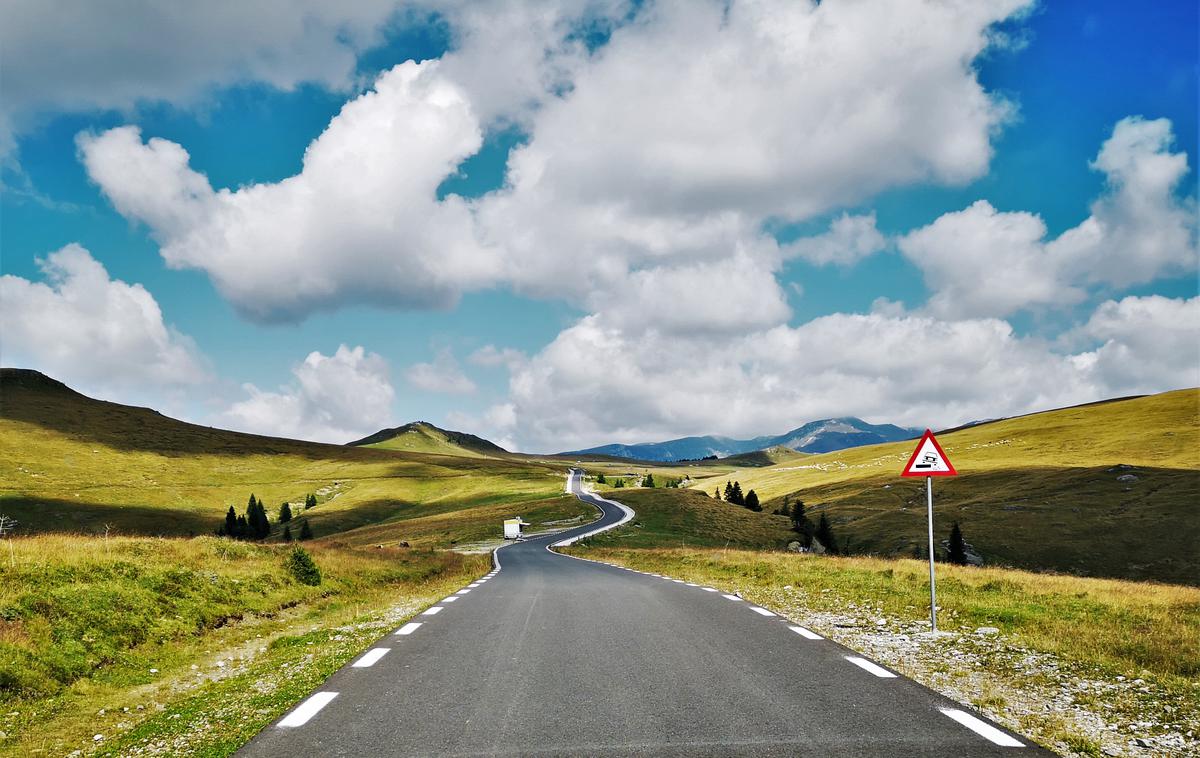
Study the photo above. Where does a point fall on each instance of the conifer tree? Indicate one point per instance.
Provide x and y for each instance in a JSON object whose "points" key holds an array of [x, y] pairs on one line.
{"points": [[957, 550], [648, 480], [752, 501], [243, 530], [305, 531], [287, 533], [230, 529], [310, 501], [738, 498], [801, 524], [600, 478], [285, 513], [728, 492], [825, 535], [717, 493]]}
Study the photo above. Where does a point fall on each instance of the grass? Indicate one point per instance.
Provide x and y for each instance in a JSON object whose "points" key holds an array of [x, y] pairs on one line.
{"points": [[1122, 626], [72, 464], [65, 654], [678, 517], [1040, 491]]}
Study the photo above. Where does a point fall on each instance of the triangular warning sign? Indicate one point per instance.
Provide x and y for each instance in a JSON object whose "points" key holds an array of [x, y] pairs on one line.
{"points": [[929, 459]]}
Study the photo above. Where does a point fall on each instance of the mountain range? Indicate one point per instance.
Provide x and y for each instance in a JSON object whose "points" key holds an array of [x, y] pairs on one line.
{"points": [[822, 436]]}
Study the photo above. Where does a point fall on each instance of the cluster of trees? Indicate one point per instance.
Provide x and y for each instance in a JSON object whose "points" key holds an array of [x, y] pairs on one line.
{"points": [[648, 480], [254, 524], [600, 479], [733, 494], [802, 525]]}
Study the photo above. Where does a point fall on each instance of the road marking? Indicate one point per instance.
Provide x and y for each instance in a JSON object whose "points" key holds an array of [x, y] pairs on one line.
{"points": [[731, 597], [435, 610], [983, 729], [692, 584], [450, 599], [462, 592], [806, 634], [409, 628], [372, 655], [473, 585], [761, 611], [678, 581], [308, 709], [866, 665], [709, 589]]}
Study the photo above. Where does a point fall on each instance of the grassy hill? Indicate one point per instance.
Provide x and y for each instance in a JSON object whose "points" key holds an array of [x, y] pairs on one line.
{"points": [[1107, 489], [69, 463], [422, 437]]}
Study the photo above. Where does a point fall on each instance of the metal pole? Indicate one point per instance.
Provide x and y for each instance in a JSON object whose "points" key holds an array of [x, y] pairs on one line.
{"points": [[932, 587]]}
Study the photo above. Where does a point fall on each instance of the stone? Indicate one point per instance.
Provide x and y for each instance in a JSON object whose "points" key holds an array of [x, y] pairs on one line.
{"points": [[794, 547], [987, 630]]}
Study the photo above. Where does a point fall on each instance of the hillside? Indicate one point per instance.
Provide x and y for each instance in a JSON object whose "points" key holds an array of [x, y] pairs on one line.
{"points": [[1110, 489], [69, 463], [814, 437], [423, 437]]}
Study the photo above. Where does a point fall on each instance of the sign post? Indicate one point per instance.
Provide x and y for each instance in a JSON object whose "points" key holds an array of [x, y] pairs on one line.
{"points": [[929, 460]]}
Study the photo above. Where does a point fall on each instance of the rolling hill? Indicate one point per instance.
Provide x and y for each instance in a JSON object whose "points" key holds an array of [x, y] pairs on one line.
{"points": [[70, 463], [423, 437], [1106, 489], [814, 437]]}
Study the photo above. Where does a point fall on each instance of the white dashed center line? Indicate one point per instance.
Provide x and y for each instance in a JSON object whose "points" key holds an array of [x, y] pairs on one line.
{"points": [[866, 665], [985, 730], [806, 634], [371, 657], [308, 709], [409, 628], [761, 611]]}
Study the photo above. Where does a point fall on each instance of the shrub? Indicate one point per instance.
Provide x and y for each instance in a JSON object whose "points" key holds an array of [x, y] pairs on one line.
{"points": [[303, 568]]}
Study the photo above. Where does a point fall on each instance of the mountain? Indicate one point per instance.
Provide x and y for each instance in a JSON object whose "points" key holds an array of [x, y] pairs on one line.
{"points": [[815, 437], [423, 437]]}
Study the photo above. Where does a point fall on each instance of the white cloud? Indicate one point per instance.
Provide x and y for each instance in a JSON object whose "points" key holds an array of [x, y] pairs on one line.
{"points": [[492, 356], [983, 262], [849, 240], [334, 399], [359, 223], [442, 375], [1148, 344], [107, 56], [97, 334]]}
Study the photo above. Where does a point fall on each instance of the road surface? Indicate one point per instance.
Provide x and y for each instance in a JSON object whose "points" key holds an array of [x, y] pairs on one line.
{"points": [[553, 655]]}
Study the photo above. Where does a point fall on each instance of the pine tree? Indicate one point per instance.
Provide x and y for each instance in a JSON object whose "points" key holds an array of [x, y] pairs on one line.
{"points": [[825, 535], [260, 523], [717, 493], [310, 501], [287, 533], [230, 529], [728, 492], [305, 531], [957, 551], [752, 501], [600, 478], [738, 498], [648, 481], [243, 529], [285, 513]]}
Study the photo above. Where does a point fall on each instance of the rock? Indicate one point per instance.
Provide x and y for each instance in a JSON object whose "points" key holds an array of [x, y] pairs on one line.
{"points": [[153, 671], [987, 630], [794, 547], [404, 543], [97, 738], [1127, 478]]}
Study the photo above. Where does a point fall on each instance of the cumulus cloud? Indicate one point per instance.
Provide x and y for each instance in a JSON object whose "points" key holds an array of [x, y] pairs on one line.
{"points": [[849, 240], [359, 223], [983, 262], [443, 374], [335, 398], [491, 356], [98, 334], [1148, 344]]}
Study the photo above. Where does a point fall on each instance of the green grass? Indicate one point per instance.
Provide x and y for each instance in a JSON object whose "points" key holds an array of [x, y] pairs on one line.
{"points": [[1039, 492], [84, 620]]}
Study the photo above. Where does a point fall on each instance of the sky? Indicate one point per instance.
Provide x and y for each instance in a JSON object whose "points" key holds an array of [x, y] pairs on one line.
{"points": [[568, 223]]}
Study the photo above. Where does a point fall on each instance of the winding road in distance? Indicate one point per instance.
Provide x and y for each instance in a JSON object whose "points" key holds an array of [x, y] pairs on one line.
{"points": [[552, 655]]}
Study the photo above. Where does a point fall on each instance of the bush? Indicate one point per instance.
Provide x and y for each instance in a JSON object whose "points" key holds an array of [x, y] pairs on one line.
{"points": [[302, 567]]}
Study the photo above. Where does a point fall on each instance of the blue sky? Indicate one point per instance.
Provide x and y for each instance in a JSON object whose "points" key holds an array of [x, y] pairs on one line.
{"points": [[682, 303]]}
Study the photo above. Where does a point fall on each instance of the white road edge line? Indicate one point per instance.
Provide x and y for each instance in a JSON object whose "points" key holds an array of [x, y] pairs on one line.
{"points": [[435, 610], [866, 665], [409, 628], [709, 589], [731, 597], [462, 592], [307, 709], [761, 611], [450, 599], [983, 729], [371, 657], [805, 633]]}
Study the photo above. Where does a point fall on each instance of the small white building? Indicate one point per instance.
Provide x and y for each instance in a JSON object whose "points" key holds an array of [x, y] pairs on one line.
{"points": [[514, 528]]}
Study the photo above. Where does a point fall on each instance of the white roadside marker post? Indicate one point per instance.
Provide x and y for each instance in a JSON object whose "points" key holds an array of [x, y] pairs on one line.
{"points": [[929, 460]]}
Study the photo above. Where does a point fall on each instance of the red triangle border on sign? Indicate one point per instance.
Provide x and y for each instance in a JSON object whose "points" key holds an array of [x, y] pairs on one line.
{"points": [[908, 469]]}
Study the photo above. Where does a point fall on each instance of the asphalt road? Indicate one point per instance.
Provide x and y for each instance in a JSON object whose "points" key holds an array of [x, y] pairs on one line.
{"points": [[554, 655]]}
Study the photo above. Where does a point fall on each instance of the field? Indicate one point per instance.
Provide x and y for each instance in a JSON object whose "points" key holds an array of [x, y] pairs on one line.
{"points": [[1109, 489], [218, 632]]}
